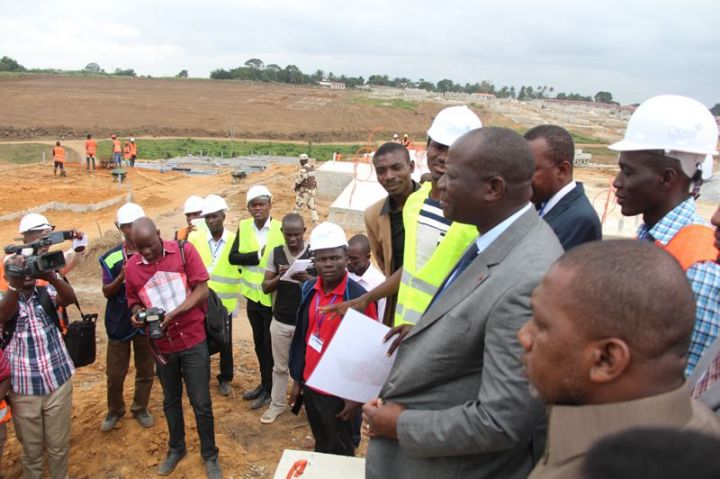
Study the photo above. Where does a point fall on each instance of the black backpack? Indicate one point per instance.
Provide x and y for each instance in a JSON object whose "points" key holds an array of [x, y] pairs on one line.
{"points": [[79, 336], [217, 320]]}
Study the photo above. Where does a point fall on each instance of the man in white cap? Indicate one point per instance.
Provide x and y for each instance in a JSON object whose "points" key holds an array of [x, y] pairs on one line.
{"points": [[305, 188], [331, 418], [193, 216], [133, 151], [667, 140], [40, 365], [213, 245], [122, 335], [433, 243], [256, 237]]}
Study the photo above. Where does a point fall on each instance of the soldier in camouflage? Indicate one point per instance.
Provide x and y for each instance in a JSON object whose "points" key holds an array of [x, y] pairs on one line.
{"points": [[305, 187]]}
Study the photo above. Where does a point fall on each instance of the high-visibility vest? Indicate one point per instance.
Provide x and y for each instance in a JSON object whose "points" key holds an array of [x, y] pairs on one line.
{"points": [[90, 147], [253, 276], [418, 286], [59, 154], [224, 277], [133, 149], [692, 244], [117, 147], [126, 152], [5, 413]]}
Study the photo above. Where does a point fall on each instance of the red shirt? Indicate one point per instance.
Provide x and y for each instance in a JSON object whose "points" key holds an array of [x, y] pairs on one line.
{"points": [[324, 326], [161, 284]]}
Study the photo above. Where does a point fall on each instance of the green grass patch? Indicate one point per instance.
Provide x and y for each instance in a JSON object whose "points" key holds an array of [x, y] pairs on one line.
{"points": [[24, 153], [171, 148], [384, 102]]}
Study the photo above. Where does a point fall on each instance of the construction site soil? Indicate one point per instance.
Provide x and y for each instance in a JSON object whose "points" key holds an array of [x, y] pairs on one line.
{"points": [[37, 106]]}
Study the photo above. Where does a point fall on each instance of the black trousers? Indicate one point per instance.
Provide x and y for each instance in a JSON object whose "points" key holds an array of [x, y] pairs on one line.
{"points": [[260, 317], [332, 435], [191, 366], [226, 359]]}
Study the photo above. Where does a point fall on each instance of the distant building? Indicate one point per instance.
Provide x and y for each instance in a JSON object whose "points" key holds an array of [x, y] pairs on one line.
{"points": [[332, 85], [484, 96]]}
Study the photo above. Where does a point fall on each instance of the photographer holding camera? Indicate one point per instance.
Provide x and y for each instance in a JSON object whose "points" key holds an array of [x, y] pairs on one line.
{"points": [[40, 365], [167, 292]]}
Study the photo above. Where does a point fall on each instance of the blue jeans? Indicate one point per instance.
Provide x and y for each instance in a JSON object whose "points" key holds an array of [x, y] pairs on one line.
{"points": [[117, 158], [193, 366]]}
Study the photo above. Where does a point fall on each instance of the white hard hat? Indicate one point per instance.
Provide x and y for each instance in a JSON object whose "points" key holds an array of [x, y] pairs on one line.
{"points": [[327, 235], [132, 139], [213, 204], [681, 127], [34, 222], [256, 192], [128, 213], [303, 156], [452, 123], [193, 204]]}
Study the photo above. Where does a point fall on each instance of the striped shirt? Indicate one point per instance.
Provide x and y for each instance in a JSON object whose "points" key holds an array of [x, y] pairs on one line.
{"points": [[39, 360], [704, 279], [432, 228]]}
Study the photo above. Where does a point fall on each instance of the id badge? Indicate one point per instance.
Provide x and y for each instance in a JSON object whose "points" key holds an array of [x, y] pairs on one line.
{"points": [[316, 343]]}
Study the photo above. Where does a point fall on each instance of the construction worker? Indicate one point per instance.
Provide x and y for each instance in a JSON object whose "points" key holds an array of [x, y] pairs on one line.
{"points": [[90, 152], [305, 188], [213, 243], [433, 243], [122, 335], [133, 151], [406, 141], [193, 215], [117, 151], [256, 237], [126, 152], [666, 142], [58, 154]]}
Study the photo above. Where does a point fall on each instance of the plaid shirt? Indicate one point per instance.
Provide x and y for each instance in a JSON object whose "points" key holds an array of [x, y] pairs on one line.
{"points": [[704, 278], [39, 360]]}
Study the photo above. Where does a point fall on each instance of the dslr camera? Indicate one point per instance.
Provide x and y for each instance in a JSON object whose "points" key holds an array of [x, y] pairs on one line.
{"points": [[37, 263], [153, 317]]}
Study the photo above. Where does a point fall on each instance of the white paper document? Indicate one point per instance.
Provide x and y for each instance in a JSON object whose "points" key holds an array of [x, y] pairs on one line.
{"points": [[355, 364], [296, 267]]}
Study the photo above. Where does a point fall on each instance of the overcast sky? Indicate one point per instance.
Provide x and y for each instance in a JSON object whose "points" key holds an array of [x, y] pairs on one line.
{"points": [[633, 48]]}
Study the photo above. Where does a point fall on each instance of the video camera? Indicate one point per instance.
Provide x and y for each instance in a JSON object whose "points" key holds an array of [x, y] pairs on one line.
{"points": [[38, 263], [153, 317]]}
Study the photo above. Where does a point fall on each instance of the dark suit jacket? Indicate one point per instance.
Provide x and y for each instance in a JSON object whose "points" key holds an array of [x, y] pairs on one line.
{"points": [[470, 412], [574, 219]]}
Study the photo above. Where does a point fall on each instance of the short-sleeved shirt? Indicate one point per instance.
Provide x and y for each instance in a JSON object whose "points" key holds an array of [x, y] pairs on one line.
{"points": [[432, 228], [324, 326], [39, 361], [117, 313], [165, 284]]}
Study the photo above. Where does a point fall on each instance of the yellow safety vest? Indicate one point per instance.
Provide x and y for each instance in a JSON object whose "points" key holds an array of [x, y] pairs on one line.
{"points": [[418, 287], [253, 276], [224, 277]]}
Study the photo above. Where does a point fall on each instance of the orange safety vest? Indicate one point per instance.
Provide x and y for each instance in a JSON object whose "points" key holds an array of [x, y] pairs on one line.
{"points": [[59, 154], [117, 147], [90, 147], [692, 244], [126, 152], [133, 149], [5, 412]]}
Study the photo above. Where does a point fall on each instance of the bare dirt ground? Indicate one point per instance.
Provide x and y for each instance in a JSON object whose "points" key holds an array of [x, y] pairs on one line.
{"points": [[247, 448], [70, 107]]}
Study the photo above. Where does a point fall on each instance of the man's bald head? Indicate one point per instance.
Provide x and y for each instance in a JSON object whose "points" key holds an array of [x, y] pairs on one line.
{"points": [[631, 290], [146, 237], [361, 242]]}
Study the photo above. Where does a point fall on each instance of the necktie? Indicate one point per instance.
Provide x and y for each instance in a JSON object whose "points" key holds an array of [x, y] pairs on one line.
{"points": [[709, 378], [461, 266]]}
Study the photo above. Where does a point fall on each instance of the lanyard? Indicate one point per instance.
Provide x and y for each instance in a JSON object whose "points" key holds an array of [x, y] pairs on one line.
{"points": [[321, 317]]}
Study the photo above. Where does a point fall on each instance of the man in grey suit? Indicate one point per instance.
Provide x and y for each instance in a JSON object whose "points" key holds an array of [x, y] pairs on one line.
{"points": [[456, 403]]}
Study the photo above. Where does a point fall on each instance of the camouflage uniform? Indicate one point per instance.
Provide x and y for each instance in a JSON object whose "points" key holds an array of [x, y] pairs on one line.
{"points": [[305, 188]]}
